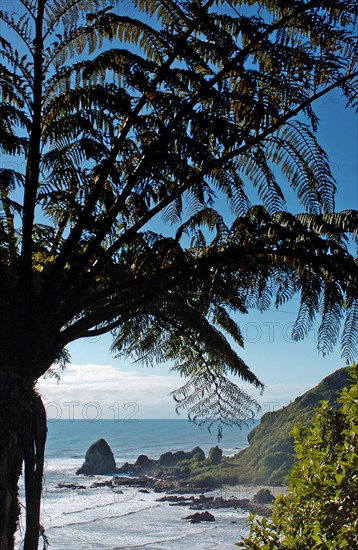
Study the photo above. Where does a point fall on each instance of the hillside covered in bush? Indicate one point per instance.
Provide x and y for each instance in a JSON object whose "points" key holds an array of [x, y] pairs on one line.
{"points": [[270, 456]]}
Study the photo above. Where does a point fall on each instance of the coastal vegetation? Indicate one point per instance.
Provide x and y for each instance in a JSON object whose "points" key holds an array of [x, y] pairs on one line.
{"points": [[266, 461], [147, 149], [319, 510], [270, 454]]}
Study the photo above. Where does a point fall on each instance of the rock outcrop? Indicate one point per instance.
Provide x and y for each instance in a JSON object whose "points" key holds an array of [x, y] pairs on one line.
{"points": [[99, 460], [263, 496], [203, 502], [170, 466], [215, 455], [198, 517]]}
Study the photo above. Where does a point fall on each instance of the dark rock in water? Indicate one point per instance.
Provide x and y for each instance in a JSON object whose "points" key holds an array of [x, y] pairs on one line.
{"points": [[107, 483], [215, 455], [167, 459], [198, 517], [127, 468], [157, 485], [142, 460], [174, 498], [144, 465], [179, 456], [197, 454], [99, 459], [263, 496], [133, 481], [70, 486], [209, 502]]}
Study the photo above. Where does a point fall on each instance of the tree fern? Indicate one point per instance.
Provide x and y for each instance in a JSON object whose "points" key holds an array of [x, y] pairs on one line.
{"points": [[174, 109]]}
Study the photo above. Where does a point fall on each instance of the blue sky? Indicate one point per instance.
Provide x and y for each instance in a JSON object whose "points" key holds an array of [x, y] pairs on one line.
{"points": [[97, 385]]}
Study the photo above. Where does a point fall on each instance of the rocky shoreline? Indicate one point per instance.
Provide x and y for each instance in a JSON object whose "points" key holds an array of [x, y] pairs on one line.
{"points": [[171, 474], [181, 495], [204, 502], [175, 467]]}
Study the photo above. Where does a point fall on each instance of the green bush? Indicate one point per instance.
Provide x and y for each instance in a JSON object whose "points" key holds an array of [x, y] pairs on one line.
{"points": [[319, 511]]}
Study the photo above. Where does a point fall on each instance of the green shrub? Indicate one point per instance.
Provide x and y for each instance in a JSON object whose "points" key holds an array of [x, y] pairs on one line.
{"points": [[319, 511]]}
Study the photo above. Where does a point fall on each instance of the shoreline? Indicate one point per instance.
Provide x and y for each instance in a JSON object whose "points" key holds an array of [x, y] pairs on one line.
{"points": [[235, 497]]}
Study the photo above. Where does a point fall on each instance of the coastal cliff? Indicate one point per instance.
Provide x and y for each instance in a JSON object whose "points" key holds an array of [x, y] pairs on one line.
{"points": [[270, 455]]}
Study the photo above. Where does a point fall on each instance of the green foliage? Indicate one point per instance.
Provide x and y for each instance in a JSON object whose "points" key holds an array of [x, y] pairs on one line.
{"points": [[264, 535], [270, 454], [320, 508], [120, 118]]}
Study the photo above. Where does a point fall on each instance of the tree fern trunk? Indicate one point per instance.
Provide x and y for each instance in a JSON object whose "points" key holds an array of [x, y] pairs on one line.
{"points": [[13, 418], [11, 456], [34, 465], [22, 441]]}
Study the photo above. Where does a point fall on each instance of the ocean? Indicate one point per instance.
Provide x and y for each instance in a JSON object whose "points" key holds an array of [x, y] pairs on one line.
{"points": [[100, 518]]}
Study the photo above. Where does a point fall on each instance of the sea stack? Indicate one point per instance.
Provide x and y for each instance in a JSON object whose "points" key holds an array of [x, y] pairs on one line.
{"points": [[99, 460]]}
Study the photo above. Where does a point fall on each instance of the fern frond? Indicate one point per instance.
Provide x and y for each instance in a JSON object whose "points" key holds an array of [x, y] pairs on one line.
{"points": [[21, 26], [259, 173], [349, 342], [207, 217], [217, 401], [305, 165], [222, 319], [331, 312]]}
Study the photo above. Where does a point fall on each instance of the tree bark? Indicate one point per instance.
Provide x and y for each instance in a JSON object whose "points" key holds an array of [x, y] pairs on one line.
{"points": [[13, 421], [22, 441], [34, 465], [11, 457]]}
